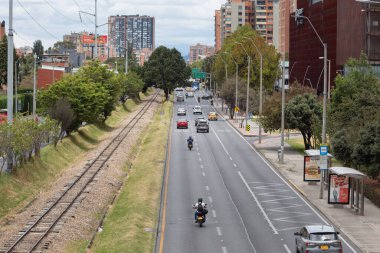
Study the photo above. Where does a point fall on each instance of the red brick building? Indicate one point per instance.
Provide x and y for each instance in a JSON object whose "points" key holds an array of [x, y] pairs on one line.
{"points": [[2, 29], [340, 24]]}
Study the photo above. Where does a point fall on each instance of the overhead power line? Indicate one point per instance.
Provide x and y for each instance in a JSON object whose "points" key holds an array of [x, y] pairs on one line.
{"points": [[23, 38], [42, 27]]}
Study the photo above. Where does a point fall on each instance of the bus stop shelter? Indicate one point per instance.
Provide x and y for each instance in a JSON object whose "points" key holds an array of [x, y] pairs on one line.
{"points": [[355, 187], [312, 167]]}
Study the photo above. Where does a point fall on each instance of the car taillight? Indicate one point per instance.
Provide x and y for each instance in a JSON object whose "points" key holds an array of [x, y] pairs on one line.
{"points": [[310, 244]]}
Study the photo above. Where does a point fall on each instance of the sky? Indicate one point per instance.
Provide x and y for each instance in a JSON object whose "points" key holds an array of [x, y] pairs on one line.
{"points": [[179, 23]]}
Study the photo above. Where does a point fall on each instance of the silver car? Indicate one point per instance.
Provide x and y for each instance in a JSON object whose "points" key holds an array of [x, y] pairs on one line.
{"points": [[318, 238]]}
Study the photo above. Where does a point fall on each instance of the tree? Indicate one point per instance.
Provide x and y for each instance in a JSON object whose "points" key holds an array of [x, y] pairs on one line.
{"points": [[304, 112], [271, 116], [38, 49], [101, 76], [270, 58], [87, 99], [341, 147], [64, 115], [133, 85], [166, 68], [365, 151], [355, 110]]}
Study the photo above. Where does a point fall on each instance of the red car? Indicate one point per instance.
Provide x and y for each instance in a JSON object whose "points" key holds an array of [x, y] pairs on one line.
{"points": [[182, 123], [3, 115]]}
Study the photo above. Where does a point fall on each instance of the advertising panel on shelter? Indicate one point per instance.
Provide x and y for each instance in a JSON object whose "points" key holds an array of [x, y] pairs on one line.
{"points": [[339, 189], [311, 170]]}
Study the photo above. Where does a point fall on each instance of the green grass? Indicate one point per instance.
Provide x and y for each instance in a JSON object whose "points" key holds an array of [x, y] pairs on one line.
{"points": [[19, 188], [297, 144], [137, 205]]}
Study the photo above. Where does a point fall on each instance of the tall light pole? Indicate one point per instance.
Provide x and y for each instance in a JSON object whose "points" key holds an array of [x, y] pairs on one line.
{"points": [[324, 116], [236, 81], [303, 82], [261, 83], [126, 57], [248, 80], [282, 112], [10, 83], [34, 86], [226, 69], [96, 29]]}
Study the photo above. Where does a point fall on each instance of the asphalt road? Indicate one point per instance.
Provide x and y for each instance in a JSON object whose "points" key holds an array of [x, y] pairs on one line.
{"points": [[251, 208]]}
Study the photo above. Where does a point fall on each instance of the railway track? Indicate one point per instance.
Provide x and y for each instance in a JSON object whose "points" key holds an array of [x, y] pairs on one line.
{"points": [[34, 236]]}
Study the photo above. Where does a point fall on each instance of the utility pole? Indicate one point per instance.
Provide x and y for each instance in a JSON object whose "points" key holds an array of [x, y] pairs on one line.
{"points": [[96, 30], [10, 82], [282, 112], [126, 58], [34, 86]]}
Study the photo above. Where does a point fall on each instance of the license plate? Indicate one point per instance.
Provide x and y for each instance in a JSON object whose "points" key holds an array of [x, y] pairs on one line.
{"points": [[199, 217], [324, 247]]}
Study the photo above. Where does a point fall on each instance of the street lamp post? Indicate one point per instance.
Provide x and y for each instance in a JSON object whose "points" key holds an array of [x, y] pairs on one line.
{"points": [[226, 69], [248, 80], [261, 83], [236, 81], [324, 116]]}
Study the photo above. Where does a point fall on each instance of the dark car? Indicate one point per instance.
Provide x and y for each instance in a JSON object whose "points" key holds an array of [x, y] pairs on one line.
{"points": [[318, 238], [207, 96], [182, 123], [203, 126], [198, 119]]}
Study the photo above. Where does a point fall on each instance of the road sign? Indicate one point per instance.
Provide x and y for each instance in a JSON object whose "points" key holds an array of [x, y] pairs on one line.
{"points": [[323, 162], [199, 75], [323, 150], [247, 127], [237, 109]]}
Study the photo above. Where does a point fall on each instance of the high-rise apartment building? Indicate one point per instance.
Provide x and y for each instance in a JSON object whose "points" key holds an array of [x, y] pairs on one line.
{"points": [[138, 30], [257, 13], [218, 35], [199, 51], [285, 8], [234, 13]]}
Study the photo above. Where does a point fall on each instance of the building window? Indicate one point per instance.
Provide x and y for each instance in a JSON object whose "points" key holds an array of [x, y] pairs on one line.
{"points": [[240, 7], [315, 1]]}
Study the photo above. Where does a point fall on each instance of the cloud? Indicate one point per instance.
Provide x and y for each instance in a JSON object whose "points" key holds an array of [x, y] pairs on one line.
{"points": [[179, 23]]}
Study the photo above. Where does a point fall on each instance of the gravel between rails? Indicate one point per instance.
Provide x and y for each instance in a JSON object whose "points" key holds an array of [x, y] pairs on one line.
{"points": [[83, 219]]}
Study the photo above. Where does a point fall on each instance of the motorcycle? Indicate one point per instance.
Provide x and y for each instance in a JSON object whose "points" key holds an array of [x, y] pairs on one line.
{"points": [[190, 145], [212, 102], [200, 219]]}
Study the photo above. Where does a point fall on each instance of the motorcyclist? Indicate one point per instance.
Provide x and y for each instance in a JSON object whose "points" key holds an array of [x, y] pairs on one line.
{"points": [[212, 102], [200, 206]]}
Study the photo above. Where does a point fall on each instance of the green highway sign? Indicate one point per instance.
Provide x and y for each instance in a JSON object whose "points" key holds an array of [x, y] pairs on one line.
{"points": [[200, 75]]}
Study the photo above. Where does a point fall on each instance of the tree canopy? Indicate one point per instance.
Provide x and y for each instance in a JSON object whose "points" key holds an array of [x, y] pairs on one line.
{"points": [[38, 49], [166, 68]]}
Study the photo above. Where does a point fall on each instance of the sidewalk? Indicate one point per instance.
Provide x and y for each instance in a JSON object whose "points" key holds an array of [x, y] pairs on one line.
{"points": [[364, 231]]}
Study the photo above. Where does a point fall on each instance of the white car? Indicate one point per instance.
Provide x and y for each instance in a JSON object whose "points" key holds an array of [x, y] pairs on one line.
{"points": [[181, 111], [190, 94], [178, 89], [197, 110]]}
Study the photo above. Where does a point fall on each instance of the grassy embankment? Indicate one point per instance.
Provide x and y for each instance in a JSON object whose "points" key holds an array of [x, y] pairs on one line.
{"points": [[18, 189], [131, 222]]}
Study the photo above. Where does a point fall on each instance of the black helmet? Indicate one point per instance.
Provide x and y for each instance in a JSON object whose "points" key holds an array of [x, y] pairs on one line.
{"points": [[200, 200]]}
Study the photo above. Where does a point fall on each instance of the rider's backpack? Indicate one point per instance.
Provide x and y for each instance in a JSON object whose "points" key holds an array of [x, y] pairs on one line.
{"points": [[200, 208]]}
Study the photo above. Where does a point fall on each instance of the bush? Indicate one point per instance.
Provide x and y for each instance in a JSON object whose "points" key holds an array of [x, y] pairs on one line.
{"points": [[372, 191]]}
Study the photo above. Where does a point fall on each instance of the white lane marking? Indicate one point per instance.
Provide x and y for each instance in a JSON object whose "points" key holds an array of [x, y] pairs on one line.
{"points": [[202, 166], [235, 165], [197, 149], [203, 174], [207, 188], [210, 199], [237, 210], [213, 213], [224, 249], [274, 200], [277, 173], [258, 203], [219, 231], [230, 158], [198, 153], [225, 150], [200, 159], [284, 229], [287, 249]]}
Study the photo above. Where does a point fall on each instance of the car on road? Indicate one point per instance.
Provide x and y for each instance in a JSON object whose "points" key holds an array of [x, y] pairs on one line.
{"points": [[203, 126], [198, 119], [180, 98], [3, 115], [190, 94], [182, 123], [178, 89], [317, 238], [212, 116], [197, 109], [188, 89], [207, 96], [181, 111]]}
